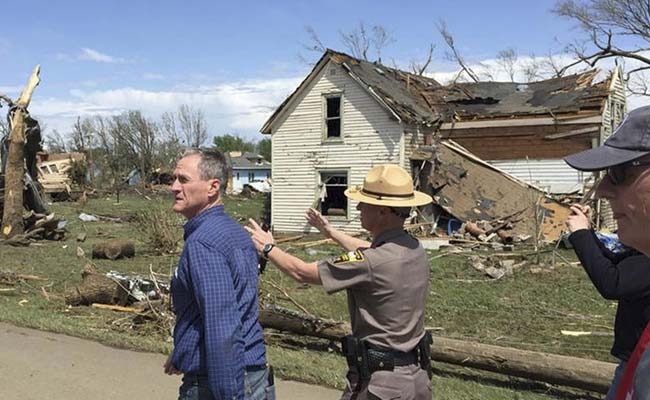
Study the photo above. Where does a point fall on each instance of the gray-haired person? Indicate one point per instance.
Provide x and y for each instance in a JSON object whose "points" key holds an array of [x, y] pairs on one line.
{"points": [[218, 342], [625, 156]]}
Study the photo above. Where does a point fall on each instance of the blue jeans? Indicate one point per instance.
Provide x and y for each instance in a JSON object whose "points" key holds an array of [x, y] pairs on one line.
{"points": [[256, 386], [618, 374]]}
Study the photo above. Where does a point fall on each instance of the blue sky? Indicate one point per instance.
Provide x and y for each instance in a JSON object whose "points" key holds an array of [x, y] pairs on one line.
{"points": [[234, 60]]}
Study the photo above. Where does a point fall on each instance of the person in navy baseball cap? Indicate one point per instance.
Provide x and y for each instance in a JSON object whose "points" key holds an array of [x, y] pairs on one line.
{"points": [[626, 185]]}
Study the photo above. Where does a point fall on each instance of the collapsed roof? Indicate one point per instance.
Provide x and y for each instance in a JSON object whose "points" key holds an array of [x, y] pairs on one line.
{"points": [[574, 94], [421, 100]]}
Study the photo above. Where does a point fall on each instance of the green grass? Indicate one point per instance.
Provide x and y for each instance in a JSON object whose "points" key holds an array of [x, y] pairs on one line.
{"points": [[526, 310]]}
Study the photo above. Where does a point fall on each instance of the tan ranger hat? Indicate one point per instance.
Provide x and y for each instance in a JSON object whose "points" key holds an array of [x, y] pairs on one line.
{"points": [[388, 185]]}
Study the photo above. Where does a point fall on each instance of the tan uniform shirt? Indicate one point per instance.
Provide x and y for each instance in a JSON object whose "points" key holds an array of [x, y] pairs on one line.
{"points": [[387, 287]]}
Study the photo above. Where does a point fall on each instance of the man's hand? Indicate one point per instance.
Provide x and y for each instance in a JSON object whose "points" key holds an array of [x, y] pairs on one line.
{"points": [[580, 218], [169, 368], [260, 236], [316, 219]]}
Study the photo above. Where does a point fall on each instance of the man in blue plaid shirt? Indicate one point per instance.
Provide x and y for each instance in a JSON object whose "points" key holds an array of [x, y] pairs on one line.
{"points": [[218, 342]]}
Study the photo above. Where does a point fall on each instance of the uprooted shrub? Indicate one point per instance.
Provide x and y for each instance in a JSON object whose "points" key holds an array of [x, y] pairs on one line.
{"points": [[161, 229]]}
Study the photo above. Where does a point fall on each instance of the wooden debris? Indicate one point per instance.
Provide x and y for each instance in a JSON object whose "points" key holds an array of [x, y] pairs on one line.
{"points": [[114, 249], [289, 239], [116, 308]]}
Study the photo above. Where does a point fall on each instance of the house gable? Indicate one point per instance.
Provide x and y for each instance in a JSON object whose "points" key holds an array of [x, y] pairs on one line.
{"points": [[303, 157]]}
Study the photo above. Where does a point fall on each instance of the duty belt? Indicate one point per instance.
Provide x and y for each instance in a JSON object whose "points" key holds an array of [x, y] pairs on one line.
{"points": [[367, 358]]}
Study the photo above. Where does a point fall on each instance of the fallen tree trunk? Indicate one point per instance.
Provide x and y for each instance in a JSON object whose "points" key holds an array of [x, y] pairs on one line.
{"points": [[114, 249], [550, 368]]}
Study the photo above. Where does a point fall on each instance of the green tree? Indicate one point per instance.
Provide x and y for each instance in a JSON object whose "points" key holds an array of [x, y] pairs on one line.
{"points": [[264, 148], [227, 143]]}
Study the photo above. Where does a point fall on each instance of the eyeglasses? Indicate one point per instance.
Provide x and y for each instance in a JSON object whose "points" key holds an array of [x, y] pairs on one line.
{"points": [[617, 173]]}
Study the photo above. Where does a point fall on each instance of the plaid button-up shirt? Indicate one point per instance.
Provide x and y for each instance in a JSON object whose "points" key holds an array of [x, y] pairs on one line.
{"points": [[214, 293]]}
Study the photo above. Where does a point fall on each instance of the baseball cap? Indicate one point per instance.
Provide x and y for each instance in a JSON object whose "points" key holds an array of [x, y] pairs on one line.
{"points": [[630, 140]]}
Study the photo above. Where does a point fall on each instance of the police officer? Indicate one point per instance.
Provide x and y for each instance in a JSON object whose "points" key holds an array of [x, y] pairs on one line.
{"points": [[386, 283]]}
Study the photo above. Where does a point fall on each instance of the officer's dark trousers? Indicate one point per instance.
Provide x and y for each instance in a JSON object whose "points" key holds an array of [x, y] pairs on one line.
{"points": [[409, 382]]}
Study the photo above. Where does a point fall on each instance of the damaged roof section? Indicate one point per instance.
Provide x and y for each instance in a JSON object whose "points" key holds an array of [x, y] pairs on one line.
{"points": [[470, 189], [420, 100], [403, 92], [574, 94]]}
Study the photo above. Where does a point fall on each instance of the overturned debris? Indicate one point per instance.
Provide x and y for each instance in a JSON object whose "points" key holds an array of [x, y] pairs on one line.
{"points": [[469, 189]]}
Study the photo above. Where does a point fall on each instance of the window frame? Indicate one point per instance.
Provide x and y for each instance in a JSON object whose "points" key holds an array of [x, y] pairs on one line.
{"points": [[319, 181], [325, 118]]}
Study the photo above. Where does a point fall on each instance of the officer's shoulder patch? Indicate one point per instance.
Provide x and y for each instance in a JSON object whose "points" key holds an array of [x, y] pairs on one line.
{"points": [[352, 256]]}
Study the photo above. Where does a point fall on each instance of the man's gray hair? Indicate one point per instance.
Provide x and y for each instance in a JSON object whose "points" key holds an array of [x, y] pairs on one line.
{"points": [[213, 165]]}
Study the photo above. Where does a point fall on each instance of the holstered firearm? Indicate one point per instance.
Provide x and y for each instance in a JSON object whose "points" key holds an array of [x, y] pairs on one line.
{"points": [[356, 354], [424, 350]]}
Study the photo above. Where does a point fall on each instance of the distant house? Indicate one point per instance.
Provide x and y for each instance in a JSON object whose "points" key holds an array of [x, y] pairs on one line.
{"points": [[349, 114], [248, 168]]}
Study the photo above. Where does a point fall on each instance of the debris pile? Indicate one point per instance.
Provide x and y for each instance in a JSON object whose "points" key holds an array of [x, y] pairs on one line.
{"points": [[498, 233], [495, 267], [146, 299]]}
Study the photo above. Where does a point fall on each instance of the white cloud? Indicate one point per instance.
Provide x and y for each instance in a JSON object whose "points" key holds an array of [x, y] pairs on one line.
{"points": [[94, 55], [237, 107], [10, 89]]}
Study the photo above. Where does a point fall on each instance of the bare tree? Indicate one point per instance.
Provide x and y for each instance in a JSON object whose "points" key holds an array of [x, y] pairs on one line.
{"points": [[55, 142], [552, 64], [380, 39], [357, 41], [454, 55], [507, 60], [419, 68], [613, 28], [82, 136], [532, 69], [192, 125], [187, 125], [315, 44]]}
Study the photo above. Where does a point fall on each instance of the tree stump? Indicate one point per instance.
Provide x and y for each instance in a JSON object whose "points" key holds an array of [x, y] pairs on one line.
{"points": [[96, 288], [114, 249]]}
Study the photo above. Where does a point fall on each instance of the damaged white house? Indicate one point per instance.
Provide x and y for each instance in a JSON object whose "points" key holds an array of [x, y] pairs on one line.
{"points": [[348, 115]]}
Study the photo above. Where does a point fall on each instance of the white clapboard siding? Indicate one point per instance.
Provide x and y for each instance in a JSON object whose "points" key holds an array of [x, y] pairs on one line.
{"points": [[370, 137], [551, 174]]}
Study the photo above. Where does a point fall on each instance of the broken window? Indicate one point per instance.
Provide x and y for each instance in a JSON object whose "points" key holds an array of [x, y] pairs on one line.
{"points": [[332, 117], [332, 198]]}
